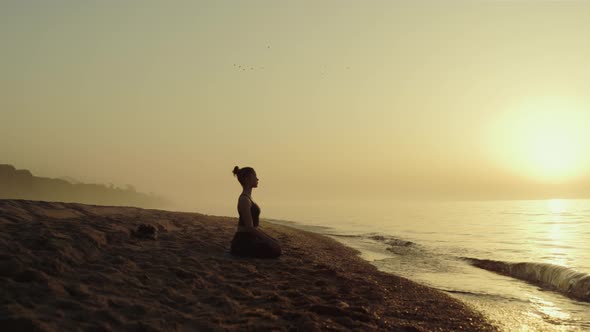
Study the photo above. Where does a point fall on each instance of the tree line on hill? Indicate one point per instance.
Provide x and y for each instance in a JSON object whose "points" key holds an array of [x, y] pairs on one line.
{"points": [[22, 184]]}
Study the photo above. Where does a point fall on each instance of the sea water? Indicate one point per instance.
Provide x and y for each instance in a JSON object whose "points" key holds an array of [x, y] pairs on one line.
{"points": [[524, 264]]}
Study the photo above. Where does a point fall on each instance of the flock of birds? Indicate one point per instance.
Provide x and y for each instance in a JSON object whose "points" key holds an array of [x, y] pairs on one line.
{"points": [[243, 67], [247, 67]]}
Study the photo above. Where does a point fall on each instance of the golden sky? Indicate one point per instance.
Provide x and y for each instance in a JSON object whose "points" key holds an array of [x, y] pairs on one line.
{"points": [[333, 99]]}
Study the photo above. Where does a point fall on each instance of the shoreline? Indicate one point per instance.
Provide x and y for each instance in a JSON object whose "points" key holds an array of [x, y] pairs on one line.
{"points": [[71, 265]]}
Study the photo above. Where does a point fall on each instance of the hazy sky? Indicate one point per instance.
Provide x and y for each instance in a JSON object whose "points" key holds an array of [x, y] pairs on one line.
{"points": [[349, 99]]}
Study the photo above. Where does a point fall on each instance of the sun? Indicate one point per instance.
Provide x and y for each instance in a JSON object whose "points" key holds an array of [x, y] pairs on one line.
{"points": [[547, 140]]}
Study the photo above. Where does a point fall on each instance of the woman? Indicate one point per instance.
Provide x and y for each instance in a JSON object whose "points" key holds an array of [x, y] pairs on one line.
{"points": [[249, 240]]}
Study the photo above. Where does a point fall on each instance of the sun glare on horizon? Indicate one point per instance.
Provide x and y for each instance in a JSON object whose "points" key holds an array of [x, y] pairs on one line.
{"points": [[544, 140]]}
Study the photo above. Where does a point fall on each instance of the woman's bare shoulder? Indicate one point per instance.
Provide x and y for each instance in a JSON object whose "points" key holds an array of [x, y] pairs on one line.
{"points": [[243, 199]]}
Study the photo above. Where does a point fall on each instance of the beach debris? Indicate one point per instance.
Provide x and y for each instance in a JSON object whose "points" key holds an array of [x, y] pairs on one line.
{"points": [[146, 231]]}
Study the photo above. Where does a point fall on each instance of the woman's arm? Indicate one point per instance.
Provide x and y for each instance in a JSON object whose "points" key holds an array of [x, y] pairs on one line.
{"points": [[244, 205]]}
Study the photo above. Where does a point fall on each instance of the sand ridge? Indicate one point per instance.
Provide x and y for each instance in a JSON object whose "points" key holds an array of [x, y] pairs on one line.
{"points": [[69, 266]]}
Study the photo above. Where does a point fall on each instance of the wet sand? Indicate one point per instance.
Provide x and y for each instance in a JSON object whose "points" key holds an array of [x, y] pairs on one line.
{"points": [[68, 266]]}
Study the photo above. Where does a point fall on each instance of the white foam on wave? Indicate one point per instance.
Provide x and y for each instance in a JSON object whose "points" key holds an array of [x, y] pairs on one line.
{"points": [[565, 280]]}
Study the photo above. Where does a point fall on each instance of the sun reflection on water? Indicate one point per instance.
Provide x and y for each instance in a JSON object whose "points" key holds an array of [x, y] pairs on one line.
{"points": [[557, 206], [557, 252], [550, 313], [548, 309]]}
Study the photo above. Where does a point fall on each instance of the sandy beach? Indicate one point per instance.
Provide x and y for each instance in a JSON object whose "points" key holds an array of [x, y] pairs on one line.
{"points": [[69, 266]]}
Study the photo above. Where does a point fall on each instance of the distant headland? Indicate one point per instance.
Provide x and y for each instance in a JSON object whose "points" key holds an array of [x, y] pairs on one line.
{"points": [[22, 184]]}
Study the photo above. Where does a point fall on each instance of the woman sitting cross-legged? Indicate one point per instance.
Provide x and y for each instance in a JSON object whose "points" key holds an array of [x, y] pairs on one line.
{"points": [[249, 240]]}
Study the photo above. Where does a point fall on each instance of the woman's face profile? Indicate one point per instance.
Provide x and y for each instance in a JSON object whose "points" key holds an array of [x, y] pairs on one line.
{"points": [[254, 180]]}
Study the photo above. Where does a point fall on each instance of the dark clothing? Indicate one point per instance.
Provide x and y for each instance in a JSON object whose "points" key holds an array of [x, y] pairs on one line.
{"points": [[254, 210], [250, 244], [246, 244]]}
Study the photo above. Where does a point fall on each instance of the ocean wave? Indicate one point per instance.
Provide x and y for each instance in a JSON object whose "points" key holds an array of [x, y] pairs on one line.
{"points": [[343, 235], [386, 239], [563, 222], [391, 241], [525, 213], [495, 297], [562, 279]]}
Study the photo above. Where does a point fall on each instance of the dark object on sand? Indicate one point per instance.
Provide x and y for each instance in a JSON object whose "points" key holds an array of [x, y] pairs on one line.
{"points": [[146, 231]]}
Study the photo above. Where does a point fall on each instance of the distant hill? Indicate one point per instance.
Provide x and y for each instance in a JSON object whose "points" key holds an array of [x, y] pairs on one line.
{"points": [[22, 184]]}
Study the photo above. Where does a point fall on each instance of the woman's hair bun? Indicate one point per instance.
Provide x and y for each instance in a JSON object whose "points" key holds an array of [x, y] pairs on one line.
{"points": [[236, 170]]}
